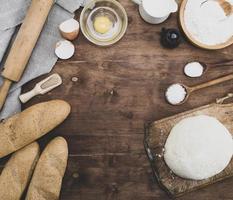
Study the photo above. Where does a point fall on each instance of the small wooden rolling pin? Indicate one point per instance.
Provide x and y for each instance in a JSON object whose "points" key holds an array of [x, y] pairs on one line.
{"points": [[24, 44]]}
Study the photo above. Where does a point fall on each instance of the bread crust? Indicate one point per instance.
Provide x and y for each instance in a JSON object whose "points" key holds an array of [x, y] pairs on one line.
{"points": [[17, 172], [47, 178], [31, 124]]}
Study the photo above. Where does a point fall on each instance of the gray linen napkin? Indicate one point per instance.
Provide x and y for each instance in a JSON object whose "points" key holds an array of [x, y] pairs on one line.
{"points": [[12, 13]]}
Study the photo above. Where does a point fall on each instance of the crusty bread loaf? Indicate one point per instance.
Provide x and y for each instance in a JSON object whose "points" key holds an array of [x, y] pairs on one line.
{"points": [[47, 178], [29, 125], [17, 172]]}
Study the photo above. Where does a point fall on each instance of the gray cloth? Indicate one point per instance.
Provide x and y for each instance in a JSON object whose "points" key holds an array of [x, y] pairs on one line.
{"points": [[12, 13]]}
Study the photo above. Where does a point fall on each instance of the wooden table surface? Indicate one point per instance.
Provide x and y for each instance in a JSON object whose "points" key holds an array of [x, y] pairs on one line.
{"points": [[118, 90]]}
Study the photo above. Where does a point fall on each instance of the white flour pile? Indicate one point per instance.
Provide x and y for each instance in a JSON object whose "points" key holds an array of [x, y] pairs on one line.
{"points": [[193, 69], [175, 94], [206, 21]]}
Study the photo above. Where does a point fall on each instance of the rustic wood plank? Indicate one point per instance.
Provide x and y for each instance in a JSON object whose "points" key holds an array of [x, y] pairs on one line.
{"points": [[157, 135], [119, 89]]}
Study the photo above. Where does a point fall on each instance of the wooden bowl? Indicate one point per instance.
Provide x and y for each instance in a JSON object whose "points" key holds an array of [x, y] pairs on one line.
{"points": [[193, 40]]}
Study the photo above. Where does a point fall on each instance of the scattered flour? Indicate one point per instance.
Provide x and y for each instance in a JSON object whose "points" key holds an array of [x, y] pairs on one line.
{"points": [[206, 21], [175, 94], [193, 69]]}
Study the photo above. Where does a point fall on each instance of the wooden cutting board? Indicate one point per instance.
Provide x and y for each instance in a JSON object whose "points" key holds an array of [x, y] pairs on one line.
{"points": [[156, 136]]}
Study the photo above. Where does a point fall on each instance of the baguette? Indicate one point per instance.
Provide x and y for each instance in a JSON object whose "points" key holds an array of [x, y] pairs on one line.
{"points": [[31, 124], [47, 178], [17, 172]]}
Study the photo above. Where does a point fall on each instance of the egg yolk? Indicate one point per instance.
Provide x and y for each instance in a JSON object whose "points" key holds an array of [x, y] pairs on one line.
{"points": [[102, 24]]}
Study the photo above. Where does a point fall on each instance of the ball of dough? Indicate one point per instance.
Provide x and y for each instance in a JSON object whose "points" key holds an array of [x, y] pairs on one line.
{"points": [[198, 148]]}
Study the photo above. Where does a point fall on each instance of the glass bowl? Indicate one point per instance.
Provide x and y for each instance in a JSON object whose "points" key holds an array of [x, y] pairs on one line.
{"points": [[116, 16]]}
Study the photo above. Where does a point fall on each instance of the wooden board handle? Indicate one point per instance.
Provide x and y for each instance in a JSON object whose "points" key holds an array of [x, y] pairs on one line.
{"points": [[5, 87], [26, 39]]}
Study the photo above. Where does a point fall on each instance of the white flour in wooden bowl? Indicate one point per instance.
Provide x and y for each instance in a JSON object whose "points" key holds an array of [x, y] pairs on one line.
{"points": [[206, 21]]}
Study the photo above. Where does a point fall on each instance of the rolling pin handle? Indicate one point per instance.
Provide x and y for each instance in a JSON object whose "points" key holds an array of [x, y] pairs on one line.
{"points": [[4, 91]]}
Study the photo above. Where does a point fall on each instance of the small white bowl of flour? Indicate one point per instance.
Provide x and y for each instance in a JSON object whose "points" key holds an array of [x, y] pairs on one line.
{"points": [[206, 24]]}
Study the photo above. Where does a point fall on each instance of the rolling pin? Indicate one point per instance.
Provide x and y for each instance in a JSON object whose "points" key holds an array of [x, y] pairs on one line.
{"points": [[24, 44]]}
